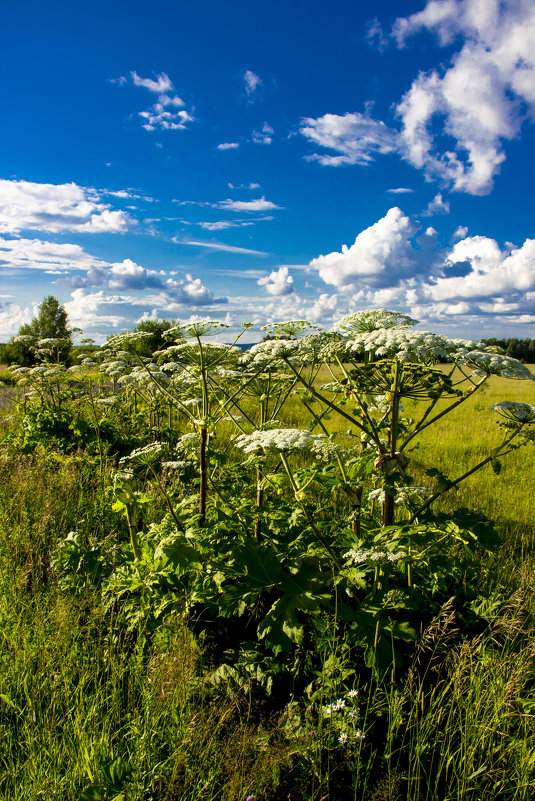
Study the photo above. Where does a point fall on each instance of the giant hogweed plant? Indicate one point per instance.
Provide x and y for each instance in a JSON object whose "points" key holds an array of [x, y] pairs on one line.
{"points": [[289, 536]]}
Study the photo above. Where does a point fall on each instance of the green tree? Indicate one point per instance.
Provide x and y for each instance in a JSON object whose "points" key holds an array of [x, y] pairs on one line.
{"points": [[51, 323], [157, 340]]}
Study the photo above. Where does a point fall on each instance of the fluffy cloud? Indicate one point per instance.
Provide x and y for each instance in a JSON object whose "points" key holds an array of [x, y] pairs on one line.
{"points": [[278, 282], [264, 136], [162, 115], [437, 206], [487, 271], [260, 204], [84, 310], [380, 253], [35, 254], [191, 291], [160, 86], [478, 100], [251, 82], [158, 117], [12, 316], [228, 146], [478, 97], [129, 275], [25, 205], [356, 136]]}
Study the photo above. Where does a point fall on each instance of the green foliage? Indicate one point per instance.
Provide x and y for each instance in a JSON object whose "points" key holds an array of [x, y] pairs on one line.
{"points": [[51, 323]]}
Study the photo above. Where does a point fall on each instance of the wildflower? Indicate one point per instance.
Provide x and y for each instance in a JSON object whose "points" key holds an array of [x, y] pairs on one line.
{"points": [[284, 440], [176, 465], [404, 343], [373, 320], [363, 555], [487, 363], [359, 735], [144, 455], [352, 693], [270, 354], [517, 412], [354, 713], [343, 738]]}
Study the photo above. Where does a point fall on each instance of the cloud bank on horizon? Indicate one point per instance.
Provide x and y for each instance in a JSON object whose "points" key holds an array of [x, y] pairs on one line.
{"points": [[311, 194]]}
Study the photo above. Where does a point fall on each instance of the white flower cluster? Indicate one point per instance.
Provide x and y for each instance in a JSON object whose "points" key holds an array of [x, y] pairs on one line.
{"points": [[144, 455], [175, 465], [213, 353], [198, 328], [271, 352], [404, 343], [289, 328], [403, 494], [284, 440], [50, 342], [517, 412], [372, 320], [367, 555], [488, 363], [187, 444], [342, 712]]}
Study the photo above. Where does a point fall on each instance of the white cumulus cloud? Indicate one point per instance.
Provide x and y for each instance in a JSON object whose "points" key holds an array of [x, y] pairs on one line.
{"points": [[278, 282], [251, 82], [191, 291], [357, 137], [478, 98], [489, 271], [25, 205], [260, 204], [380, 253]]}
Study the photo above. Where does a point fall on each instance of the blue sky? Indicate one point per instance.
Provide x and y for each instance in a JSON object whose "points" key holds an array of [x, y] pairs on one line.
{"points": [[269, 161]]}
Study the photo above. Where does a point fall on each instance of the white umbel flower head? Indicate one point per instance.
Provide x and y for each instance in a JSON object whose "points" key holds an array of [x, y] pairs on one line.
{"points": [[486, 363], [284, 440], [272, 352], [516, 412], [404, 343], [372, 320]]}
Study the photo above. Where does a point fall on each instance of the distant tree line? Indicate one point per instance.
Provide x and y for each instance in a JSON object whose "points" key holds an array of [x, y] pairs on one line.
{"points": [[521, 349]]}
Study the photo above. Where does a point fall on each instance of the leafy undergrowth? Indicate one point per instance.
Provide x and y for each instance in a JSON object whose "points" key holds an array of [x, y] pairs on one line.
{"points": [[89, 710]]}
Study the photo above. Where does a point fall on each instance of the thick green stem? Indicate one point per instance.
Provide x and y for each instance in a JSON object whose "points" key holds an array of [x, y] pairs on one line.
{"points": [[311, 523], [388, 503], [203, 473], [133, 536]]}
